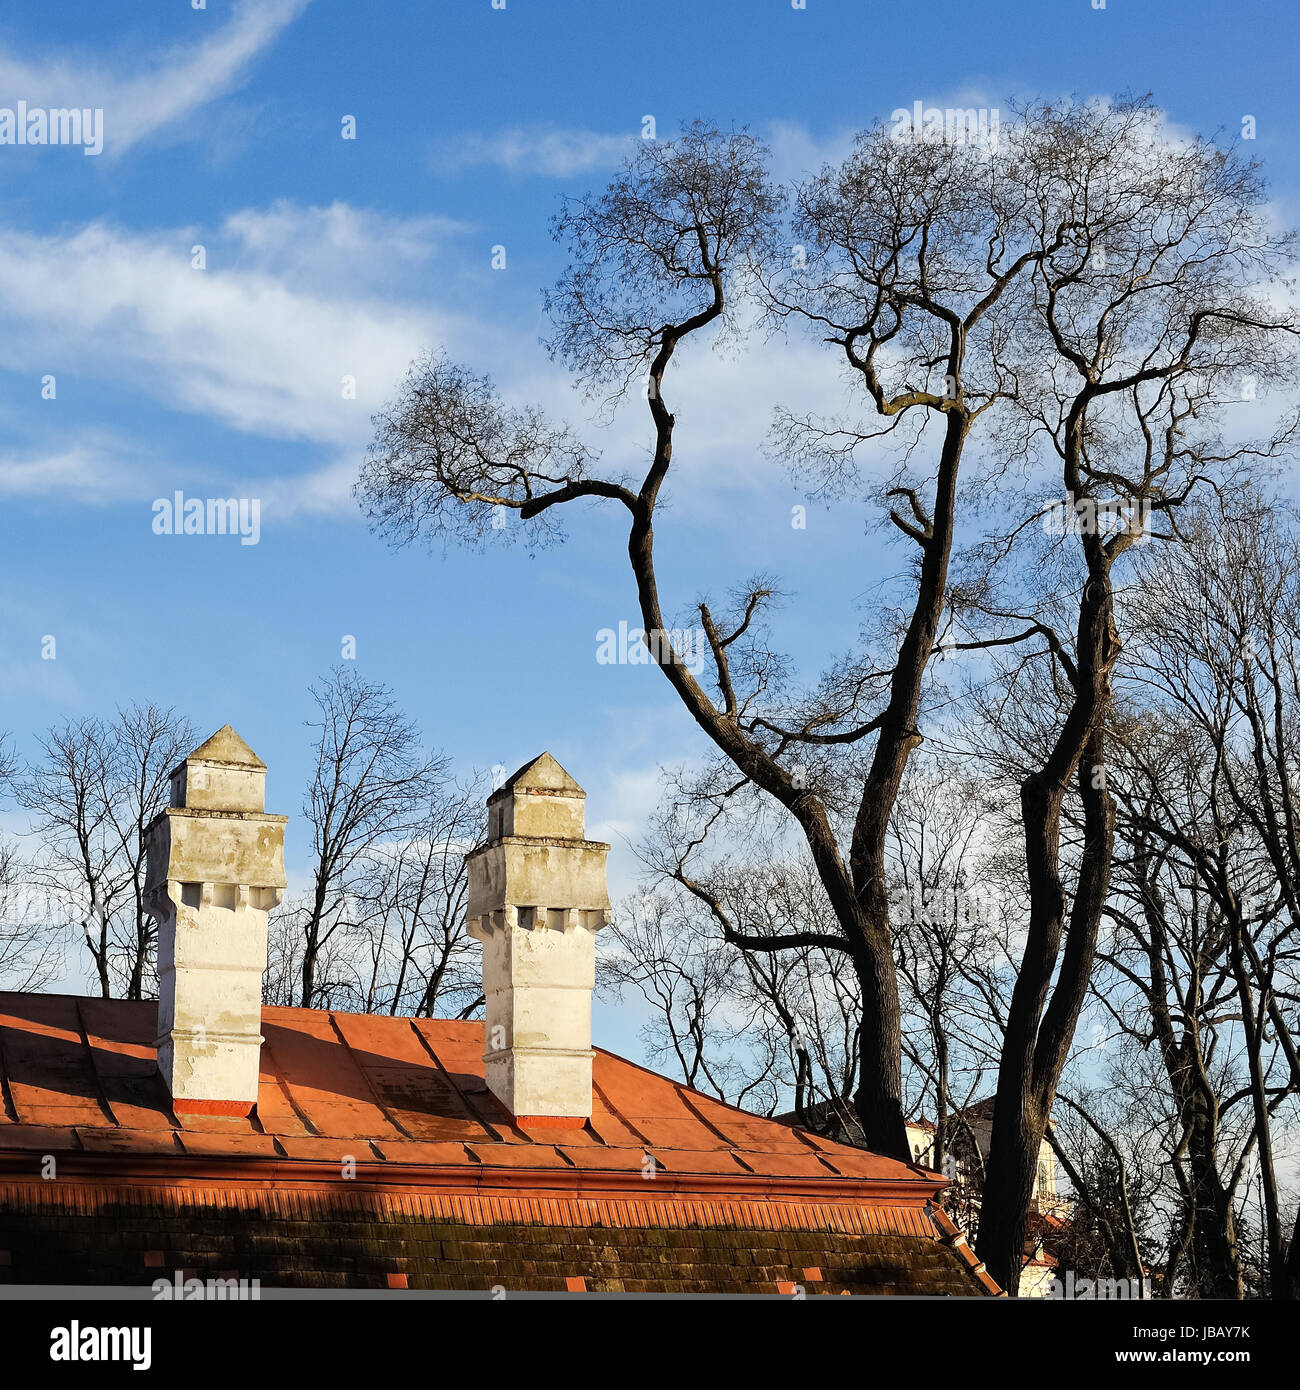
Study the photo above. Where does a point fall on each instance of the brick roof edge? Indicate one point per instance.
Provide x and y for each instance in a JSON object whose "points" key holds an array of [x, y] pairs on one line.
{"points": [[954, 1237], [259, 1174]]}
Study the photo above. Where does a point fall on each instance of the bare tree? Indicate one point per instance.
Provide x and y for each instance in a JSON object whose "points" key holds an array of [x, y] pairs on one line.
{"points": [[1113, 1182], [667, 950], [904, 268], [783, 1028], [1085, 291], [410, 898], [146, 744], [370, 785], [1168, 987], [1208, 808], [92, 791], [1150, 315], [29, 950], [950, 914], [62, 791]]}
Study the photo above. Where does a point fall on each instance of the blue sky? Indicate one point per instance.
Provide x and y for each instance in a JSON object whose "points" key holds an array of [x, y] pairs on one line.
{"points": [[329, 257]]}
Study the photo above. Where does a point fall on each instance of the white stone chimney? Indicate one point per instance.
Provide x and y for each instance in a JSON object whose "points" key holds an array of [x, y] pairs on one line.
{"points": [[215, 869], [537, 897]]}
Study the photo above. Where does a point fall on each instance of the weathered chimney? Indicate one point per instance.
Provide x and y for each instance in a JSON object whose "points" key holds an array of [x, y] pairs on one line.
{"points": [[215, 870], [537, 897]]}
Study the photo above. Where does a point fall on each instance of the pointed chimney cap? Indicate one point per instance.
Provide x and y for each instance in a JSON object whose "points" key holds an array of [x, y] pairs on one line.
{"points": [[226, 746], [543, 773], [221, 774]]}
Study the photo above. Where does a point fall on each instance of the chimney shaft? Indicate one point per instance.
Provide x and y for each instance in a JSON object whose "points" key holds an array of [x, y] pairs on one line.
{"points": [[215, 869], [537, 897]]}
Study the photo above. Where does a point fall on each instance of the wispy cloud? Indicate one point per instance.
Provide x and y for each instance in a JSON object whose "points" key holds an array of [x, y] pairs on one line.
{"points": [[555, 152], [544, 150], [318, 246], [325, 491], [93, 468], [263, 347], [168, 87], [797, 153], [97, 470]]}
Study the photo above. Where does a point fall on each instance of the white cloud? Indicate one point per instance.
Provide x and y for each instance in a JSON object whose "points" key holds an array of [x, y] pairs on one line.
{"points": [[96, 470], [80, 469], [797, 153], [260, 351], [169, 87], [636, 792], [723, 401], [325, 491], [549, 151], [557, 152], [320, 246]]}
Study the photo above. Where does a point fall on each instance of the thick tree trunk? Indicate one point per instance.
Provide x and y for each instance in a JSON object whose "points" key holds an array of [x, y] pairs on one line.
{"points": [[858, 894], [1291, 1271], [1018, 1127], [1209, 1229], [1038, 1038], [879, 1097], [1215, 1256], [1253, 1027]]}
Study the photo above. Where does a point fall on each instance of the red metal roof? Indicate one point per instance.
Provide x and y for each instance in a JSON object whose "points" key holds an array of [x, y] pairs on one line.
{"points": [[402, 1097]]}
